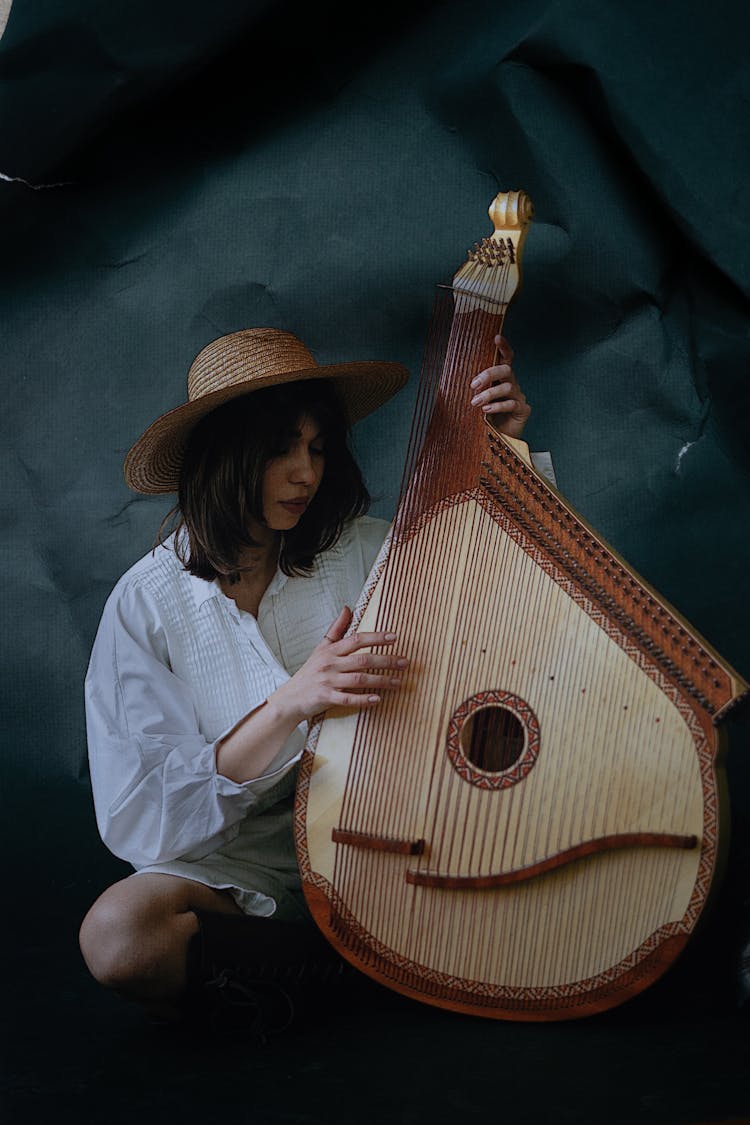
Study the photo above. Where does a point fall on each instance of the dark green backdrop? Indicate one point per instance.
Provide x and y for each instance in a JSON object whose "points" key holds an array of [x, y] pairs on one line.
{"points": [[172, 171]]}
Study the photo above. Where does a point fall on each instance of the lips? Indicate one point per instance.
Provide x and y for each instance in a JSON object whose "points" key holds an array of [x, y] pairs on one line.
{"points": [[297, 507]]}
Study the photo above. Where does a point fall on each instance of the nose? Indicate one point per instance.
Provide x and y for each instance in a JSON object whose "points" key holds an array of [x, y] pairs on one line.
{"points": [[302, 469]]}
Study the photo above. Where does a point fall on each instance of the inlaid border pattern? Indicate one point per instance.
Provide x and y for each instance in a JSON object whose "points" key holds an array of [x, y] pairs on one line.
{"points": [[533, 506], [432, 982], [528, 997], [444, 985]]}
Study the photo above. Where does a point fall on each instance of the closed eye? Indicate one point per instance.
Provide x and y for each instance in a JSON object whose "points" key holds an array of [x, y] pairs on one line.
{"points": [[292, 440]]}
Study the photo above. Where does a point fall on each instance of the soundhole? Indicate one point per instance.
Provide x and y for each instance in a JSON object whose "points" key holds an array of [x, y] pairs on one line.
{"points": [[492, 738]]}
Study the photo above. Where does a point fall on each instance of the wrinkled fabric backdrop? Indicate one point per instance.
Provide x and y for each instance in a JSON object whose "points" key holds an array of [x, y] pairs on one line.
{"points": [[175, 171]]}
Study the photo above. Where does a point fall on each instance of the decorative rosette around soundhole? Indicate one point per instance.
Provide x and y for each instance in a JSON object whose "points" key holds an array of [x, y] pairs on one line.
{"points": [[493, 739]]}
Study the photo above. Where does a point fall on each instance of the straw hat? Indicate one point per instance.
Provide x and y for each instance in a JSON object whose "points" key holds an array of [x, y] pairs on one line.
{"points": [[235, 365]]}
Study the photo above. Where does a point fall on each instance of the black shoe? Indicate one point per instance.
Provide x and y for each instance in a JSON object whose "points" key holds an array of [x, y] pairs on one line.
{"points": [[258, 975], [258, 1009]]}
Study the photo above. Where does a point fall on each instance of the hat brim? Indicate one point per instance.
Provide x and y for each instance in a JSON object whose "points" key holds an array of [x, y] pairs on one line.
{"points": [[153, 464]]}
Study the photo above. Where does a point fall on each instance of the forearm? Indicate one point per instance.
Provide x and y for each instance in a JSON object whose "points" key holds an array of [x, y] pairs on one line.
{"points": [[247, 751], [337, 673]]}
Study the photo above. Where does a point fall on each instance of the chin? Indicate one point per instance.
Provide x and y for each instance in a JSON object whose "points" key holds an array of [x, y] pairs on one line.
{"points": [[283, 522]]}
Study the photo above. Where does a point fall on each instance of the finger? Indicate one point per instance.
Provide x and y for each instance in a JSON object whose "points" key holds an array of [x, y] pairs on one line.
{"points": [[358, 661], [517, 410], [504, 349], [500, 393], [364, 640], [505, 406], [364, 681], [500, 373], [344, 699], [337, 629]]}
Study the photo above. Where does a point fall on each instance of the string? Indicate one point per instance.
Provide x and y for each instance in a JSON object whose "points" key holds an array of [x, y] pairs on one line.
{"points": [[362, 780], [469, 344], [383, 768]]}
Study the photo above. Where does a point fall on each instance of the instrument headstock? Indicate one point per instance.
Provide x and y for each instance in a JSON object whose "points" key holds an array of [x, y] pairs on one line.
{"points": [[491, 274]]}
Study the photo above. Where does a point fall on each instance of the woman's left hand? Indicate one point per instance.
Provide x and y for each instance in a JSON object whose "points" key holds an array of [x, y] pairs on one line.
{"points": [[497, 392]]}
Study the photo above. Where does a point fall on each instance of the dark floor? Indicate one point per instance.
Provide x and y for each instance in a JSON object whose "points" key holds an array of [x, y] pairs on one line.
{"points": [[677, 1055], [75, 1053]]}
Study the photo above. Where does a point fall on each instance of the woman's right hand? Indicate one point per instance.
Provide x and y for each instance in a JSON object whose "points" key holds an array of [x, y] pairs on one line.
{"points": [[338, 673]]}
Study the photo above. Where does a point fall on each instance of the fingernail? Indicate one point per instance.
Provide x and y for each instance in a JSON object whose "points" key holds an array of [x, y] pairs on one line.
{"points": [[390, 636], [395, 681], [477, 399], [373, 699], [475, 382], [402, 662]]}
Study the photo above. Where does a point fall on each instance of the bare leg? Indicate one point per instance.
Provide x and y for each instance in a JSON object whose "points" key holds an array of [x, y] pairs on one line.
{"points": [[134, 938]]}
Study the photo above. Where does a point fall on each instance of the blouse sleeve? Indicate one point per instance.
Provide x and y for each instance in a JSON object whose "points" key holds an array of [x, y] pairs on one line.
{"points": [[157, 792]]}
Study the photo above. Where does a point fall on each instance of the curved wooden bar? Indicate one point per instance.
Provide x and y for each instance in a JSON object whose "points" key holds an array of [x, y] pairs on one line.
{"points": [[551, 863]]}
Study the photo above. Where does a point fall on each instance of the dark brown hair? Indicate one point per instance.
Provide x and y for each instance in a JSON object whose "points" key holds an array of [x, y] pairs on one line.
{"points": [[221, 479]]}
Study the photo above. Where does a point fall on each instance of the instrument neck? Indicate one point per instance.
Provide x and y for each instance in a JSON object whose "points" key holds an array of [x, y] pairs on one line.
{"points": [[449, 435]]}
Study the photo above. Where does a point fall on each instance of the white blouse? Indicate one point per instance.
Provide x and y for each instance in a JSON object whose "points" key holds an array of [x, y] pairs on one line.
{"points": [[175, 665]]}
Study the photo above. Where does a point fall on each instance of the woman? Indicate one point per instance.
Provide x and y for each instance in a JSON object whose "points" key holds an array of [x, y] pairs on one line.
{"points": [[216, 649]]}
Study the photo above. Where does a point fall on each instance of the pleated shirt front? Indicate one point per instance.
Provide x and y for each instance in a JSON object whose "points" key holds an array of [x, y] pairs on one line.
{"points": [[175, 665]]}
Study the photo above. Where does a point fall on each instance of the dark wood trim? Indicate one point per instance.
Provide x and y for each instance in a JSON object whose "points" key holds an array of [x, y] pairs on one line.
{"points": [[377, 843], [550, 863], [412, 981]]}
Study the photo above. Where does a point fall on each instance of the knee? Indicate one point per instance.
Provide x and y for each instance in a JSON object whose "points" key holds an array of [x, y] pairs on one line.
{"points": [[138, 948], [107, 944]]}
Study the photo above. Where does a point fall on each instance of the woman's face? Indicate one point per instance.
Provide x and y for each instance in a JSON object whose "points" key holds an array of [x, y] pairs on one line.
{"points": [[293, 476]]}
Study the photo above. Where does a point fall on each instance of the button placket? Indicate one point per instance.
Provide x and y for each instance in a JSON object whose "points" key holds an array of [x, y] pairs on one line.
{"points": [[253, 636]]}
